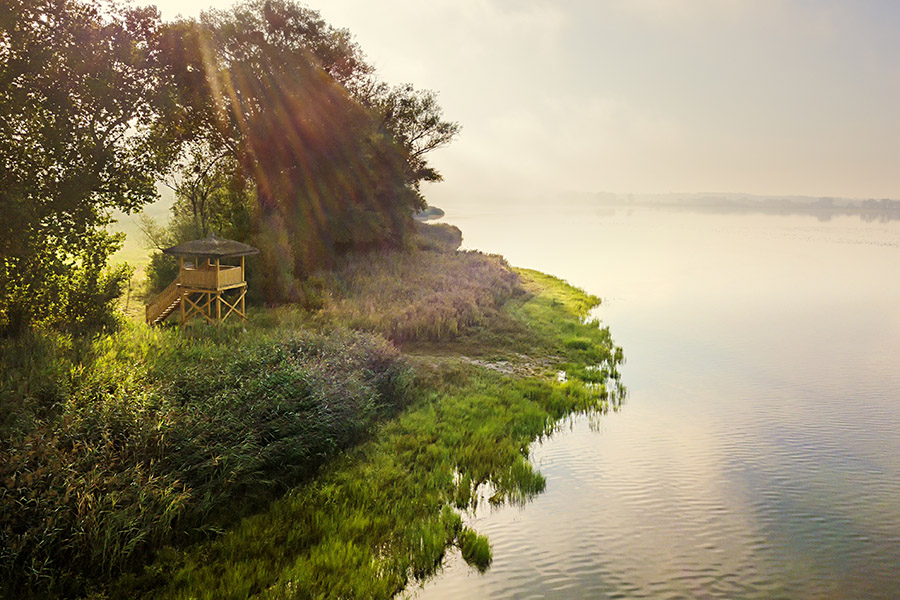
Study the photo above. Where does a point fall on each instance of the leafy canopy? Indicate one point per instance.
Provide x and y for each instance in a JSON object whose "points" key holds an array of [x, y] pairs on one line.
{"points": [[267, 122], [332, 157], [77, 90]]}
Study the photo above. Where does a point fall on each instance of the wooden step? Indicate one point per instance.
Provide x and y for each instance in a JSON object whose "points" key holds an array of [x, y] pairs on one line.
{"points": [[165, 313], [163, 305]]}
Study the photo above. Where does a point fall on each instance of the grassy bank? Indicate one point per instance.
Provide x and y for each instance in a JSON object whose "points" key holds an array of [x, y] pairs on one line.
{"points": [[150, 438], [154, 462]]}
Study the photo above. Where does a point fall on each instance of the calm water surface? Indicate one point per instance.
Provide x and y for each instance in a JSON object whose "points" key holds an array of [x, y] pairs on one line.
{"points": [[758, 452]]}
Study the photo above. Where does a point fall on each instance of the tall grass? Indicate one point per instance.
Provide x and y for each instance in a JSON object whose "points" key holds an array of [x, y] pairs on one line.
{"points": [[162, 437], [476, 549], [384, 513], [132, 457], [425, 295]]}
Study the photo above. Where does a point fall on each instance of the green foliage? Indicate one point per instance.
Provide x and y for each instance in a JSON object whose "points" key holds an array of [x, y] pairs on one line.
{"points": [[211, 194], [34, 377], [382, 514], [70, 289], [143, 438], [440, 237], [283, 147], [574, 301], [160, 272], [476, 549], [77, 104], [414, 119], [119, 452], [577, 343], [269, 123]]}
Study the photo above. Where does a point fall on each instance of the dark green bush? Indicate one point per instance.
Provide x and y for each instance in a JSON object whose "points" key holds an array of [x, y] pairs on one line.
{"points": [[170, 438], [160, 272]]}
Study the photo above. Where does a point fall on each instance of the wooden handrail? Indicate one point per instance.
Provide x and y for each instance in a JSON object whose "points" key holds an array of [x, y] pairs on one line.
{"points": [[163, 301]]}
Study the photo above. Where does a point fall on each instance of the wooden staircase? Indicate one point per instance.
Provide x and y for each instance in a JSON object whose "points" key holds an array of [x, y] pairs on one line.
{"points": [[165, 304]]}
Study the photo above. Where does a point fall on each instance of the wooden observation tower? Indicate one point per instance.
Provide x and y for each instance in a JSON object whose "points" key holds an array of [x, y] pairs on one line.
{"points": [[206, 286]]}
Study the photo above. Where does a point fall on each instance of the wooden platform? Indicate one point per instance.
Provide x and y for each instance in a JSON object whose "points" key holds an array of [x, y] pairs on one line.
{"points": [[205, 286]]}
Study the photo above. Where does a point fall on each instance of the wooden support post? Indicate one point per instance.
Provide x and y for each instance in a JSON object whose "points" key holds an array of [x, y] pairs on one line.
{"points": [[233, 305], [195, 308], [219, 307], [180, 277], [243, 291]]}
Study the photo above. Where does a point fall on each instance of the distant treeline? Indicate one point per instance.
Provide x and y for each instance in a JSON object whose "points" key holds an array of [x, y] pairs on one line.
{"points": [[267, 122], [869, 210]]}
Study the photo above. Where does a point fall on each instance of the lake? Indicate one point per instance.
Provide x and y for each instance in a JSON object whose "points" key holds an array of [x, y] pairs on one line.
{"points": [[757, 454]]}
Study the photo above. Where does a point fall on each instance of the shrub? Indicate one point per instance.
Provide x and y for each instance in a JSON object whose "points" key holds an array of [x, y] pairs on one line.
{"points": [[160, 272], [420, 295], [440, 237], [166, 437]]}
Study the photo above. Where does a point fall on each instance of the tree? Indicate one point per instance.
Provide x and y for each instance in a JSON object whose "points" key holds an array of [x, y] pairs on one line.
{"points": [[265, 88], [77, 88], [272, 102], [414, 118], [254, 29], [206, 182]]}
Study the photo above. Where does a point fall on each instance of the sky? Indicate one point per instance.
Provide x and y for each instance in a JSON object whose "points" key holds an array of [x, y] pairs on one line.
{"points": [[772, 97]]}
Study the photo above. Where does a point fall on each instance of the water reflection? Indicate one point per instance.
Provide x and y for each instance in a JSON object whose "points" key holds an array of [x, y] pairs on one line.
{"points": [[758, 454]]}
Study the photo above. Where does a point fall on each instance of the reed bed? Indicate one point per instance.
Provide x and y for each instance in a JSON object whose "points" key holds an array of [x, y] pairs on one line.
{"points": [[384, 515], [150, 438], [416, 296], [303, 456]]}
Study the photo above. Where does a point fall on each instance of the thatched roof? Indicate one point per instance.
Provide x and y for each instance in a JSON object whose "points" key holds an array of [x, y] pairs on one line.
{"points": [[212, 247]]}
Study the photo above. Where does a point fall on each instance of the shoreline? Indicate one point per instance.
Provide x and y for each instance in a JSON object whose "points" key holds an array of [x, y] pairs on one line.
{"points": [[475, 383]]}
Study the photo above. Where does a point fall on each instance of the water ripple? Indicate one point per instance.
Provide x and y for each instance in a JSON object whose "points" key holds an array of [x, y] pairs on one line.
{"points": [[757, 456]]}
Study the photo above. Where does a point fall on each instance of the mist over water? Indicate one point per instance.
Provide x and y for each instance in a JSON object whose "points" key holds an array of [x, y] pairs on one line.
{"points": [[757, 453]]}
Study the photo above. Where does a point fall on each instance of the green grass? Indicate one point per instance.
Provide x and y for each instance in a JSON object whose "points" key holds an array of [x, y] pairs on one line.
{"points": [[382, 514], [476, 549], [292, 457], [147, 438]]}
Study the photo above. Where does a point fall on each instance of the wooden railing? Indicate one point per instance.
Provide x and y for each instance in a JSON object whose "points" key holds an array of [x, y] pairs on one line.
{"points": [[211, 278], [166, 302]]}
